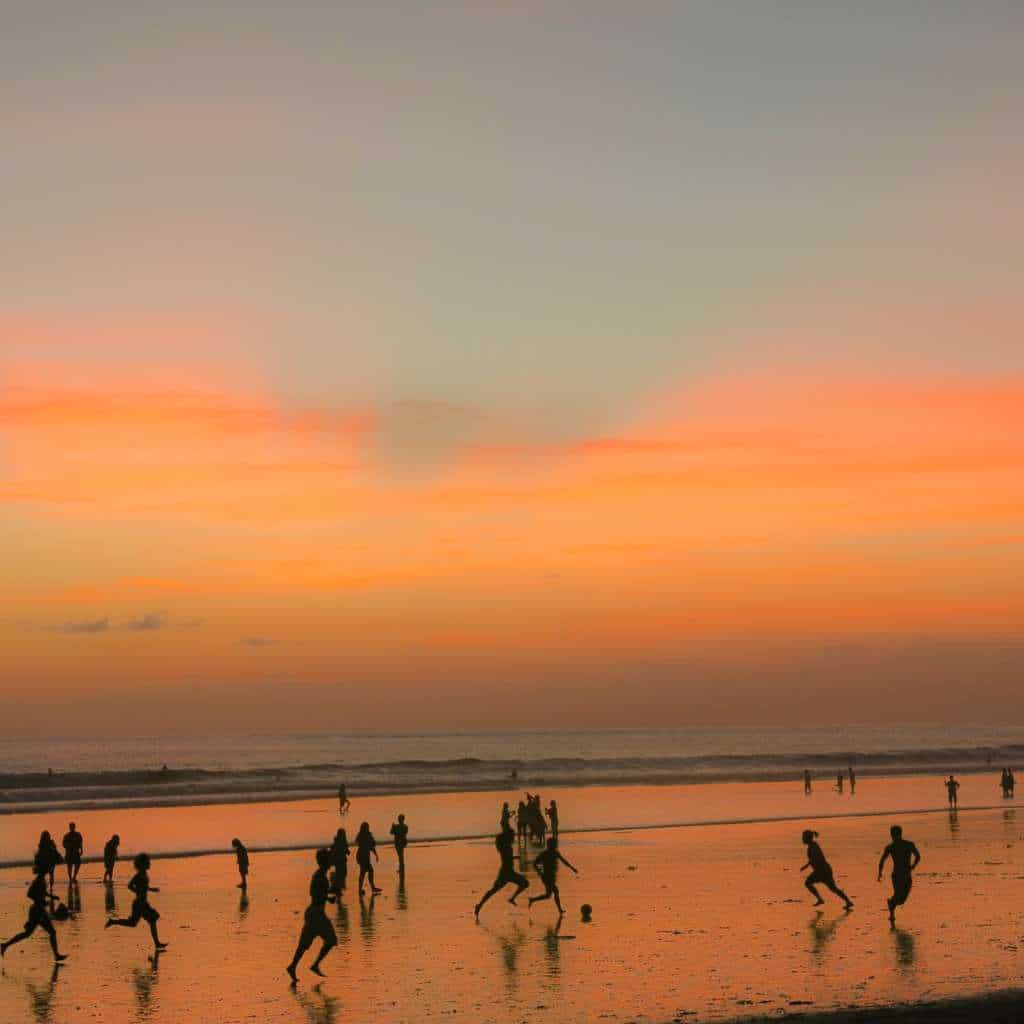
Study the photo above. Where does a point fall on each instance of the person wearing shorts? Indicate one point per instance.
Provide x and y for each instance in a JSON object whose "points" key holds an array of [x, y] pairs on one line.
{"points": [[142, 909], [504, 842], [37, 912], [316, 924], [821, 871], [905, 857]]}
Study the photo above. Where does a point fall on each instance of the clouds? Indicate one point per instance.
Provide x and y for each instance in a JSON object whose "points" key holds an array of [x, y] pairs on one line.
{"points": [[150, 622]]}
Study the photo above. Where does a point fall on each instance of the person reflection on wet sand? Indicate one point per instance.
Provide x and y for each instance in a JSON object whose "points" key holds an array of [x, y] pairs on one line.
{"points": [[110, 899], [243, 904], [904, 950], [552, 951], [74, 898], [954, 825], [41, 997], [144, 981], [401, 899], [366, 917], [822, 931], [319, 1007]]}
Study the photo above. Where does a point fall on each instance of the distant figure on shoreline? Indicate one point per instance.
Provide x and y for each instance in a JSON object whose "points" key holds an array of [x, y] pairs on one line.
{"points": [[38, 896], [141, 907], [553, 818], [839, 783], [1011, 780], [48, 855], [73, 845], [242, 854], [546, 864], [401, 833], [366, 845], [853, 780], [343, 801], [951, 791], [807, 782], [110, 857], [316, 923], [507, 874], [1006, 783], [522, 822], [339, 858], [506, 816], [821, 872], [905, 857]]}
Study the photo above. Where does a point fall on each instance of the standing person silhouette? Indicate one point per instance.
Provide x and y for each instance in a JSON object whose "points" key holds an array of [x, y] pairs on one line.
{"points": [[807, 782], [242, 855], [339, 858], [905, 857], [853, 780], [1010, 781], [365, 846], [504, 842], [343, 801], [522, 821], [553, 818], [110, 857], [546, 864], [48, 855], [951, 791], [73, 844], [316, 923], [839, 783], [141, 907], [38, 917], [401, 833], [506, 816], [821, 872]]}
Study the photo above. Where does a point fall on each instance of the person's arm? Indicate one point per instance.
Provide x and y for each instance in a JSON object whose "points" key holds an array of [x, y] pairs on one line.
{"points": [[804, 867], [536, 863], [566, 863], [881, 863], [916, 854]]}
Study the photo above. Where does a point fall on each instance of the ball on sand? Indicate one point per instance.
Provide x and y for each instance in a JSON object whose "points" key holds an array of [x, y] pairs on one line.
{"points": [[586, 910]]}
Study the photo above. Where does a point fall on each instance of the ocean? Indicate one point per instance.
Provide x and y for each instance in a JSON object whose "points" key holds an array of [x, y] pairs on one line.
{"points": [[98, 771]]}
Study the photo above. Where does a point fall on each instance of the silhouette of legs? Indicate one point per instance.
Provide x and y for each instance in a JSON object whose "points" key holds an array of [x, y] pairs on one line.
{"points": [[366, 871], [41, 921], [550, 892], [815, 879], [521, 882], [316, 925]]}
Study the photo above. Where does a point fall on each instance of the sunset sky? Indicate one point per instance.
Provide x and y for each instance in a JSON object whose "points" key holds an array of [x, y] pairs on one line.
{"points": [[494, 365]]}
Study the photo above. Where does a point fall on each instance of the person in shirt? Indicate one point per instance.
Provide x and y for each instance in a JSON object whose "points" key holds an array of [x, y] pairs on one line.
{"points": [[73, 844], [142, 909]]}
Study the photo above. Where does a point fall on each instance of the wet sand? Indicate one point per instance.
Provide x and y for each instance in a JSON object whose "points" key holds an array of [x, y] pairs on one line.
{"points": [[690, 924]]}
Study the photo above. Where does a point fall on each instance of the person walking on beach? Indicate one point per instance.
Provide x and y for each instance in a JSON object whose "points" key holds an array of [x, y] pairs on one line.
{"points": [[110, 857], [821, 872], [38, 917], [839, 783], [242, 854], [807, 782], [365, 846], [73, 844], [343, 801], [339, 858], [507, 875], [48, 855], [142, 909], [553, 818], [905, 857], [1010, 781], [853, 780], [401, 833], [546, 864], [951, 790], [316, 923]]}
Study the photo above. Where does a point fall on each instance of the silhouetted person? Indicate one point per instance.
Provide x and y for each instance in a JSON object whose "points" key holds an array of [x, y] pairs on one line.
{"points": [[905, 857], [73, 844], [546, 864], [110, 857], [242, 855], [401, 833], [365, 846], [343, 801], [506, 816], [521, 820], [553, 818], [807, 783], [38, 898], [316, 923], [839, 782], [1011, 781], [951, 791], [507, 875], [853, 780], [48, 855], [142, 910], [339, 858], [821, 871]]}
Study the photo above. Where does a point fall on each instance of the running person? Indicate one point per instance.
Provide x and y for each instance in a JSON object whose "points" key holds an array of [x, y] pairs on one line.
{"points": [[73, 844], [243, 863], [141, 907], [48, 855], [905, 857], [339, 858], [37, 912], [316, 923], [366, 845], [821, 871], [546, 864], [343, 801], [110, 857], [504, 842], [401, 833]]}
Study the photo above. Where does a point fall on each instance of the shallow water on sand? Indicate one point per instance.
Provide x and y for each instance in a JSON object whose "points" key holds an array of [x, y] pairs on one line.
{"points": [[701, 923]]}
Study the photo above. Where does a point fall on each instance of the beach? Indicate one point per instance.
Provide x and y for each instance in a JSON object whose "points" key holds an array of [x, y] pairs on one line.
{"points": [[696, 922]]}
